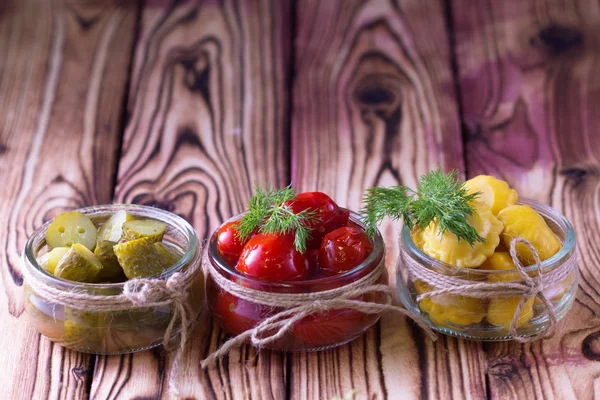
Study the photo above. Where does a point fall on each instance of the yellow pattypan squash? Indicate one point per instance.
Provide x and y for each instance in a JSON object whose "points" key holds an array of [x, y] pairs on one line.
{"points": [[494, 192], [417, 236], [449, 249], [522, 221], [502, 310], [450, 308]]}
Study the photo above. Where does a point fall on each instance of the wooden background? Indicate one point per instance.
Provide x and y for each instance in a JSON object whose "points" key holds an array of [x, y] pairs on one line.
{"points": [[184, 104]]}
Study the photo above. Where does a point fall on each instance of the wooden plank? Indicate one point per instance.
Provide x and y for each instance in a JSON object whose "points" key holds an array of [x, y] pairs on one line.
{"points": [[208, 118], [63, 69], [529, 89], [374, 104]]}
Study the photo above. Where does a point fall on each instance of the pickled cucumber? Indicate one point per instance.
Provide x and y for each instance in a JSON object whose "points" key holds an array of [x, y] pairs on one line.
{"points": [[81, 330], [111, 271], [139, 258], [167, 254], [50, 260], [79, 264], [112, 229], [69, 228], [144, 228]]}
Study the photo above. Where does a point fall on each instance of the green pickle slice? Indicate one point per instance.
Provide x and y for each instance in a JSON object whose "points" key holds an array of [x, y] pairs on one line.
{"points": [[112, 229], [69, 228], [50, 260], [79, 264], [144, 228], [111, 271], [167, 254], [82, 331], [139, 258]]}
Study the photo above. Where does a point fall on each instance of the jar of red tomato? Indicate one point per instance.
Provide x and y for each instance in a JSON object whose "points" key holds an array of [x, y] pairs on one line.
{"points": [[337, 254]]}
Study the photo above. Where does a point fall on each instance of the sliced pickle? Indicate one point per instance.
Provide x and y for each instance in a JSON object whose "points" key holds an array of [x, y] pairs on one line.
{"points": [[169, 256], [50, 260], [79, 264], [111, 271], [112, 229], [144, 228], [82, 330], [69, 228], [139, 258]]}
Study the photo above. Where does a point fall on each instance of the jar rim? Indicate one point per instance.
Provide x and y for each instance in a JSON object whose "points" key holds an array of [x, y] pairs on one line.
{"points": [[167, 217], [547, 212], [374, 258]]}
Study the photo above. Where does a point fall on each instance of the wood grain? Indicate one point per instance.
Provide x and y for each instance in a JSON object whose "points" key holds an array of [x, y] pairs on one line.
{"points": [[529, 89], [374, 104], [208, 118], [63, 67]]}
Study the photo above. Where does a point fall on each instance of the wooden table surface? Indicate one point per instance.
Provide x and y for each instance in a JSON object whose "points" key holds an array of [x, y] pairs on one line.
{"points": [[184, 105]]}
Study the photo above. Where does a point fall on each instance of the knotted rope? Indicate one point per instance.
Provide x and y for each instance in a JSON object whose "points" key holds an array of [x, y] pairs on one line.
{"points": [[529, 287], [298, 306], [137, 293]]}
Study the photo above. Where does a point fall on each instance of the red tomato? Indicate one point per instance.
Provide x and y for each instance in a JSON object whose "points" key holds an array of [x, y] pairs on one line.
{"points": [[273, 258], [229, 244], [344, 249], [237, 315], [331, 327], [329, 214]]}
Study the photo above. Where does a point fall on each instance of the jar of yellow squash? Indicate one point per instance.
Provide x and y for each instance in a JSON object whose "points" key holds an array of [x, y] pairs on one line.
{"points": [[456, 295]]}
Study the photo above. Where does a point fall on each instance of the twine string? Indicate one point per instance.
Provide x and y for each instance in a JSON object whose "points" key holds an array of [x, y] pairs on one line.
{"points": [[297, 306], [529, 287], [173, 291]]}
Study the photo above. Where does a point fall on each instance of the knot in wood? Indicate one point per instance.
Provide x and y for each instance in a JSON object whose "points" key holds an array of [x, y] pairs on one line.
{"points": [[556, 39], [590, 347], [380, 95]]}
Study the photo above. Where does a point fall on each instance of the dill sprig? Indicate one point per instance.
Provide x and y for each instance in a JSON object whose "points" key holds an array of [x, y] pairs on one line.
{"points": [[269, 213], [439, 197]]}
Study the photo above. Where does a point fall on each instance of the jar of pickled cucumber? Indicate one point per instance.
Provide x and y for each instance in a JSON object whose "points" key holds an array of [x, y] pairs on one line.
{"points": [[111, 332], [490, 318]]}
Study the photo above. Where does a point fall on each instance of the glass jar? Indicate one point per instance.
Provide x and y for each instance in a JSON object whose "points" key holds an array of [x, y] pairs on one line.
{"points": [[490, 319], [114, 332], [317, 331]]}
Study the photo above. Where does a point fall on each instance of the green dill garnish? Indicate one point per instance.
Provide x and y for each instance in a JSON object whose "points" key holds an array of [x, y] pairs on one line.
{"points": [[269, 213], [440, 197]]}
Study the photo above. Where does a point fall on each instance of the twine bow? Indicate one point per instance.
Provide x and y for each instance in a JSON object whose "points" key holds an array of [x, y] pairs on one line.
{"points": [[295, 307], [529, 287], [137, 293]]}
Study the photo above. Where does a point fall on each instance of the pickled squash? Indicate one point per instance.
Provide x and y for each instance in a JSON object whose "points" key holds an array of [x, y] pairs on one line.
{"points": [[522, 221], [494, 192], [417, 236], [450, 308], [502, 310], [449, 249], [501, 261]]}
